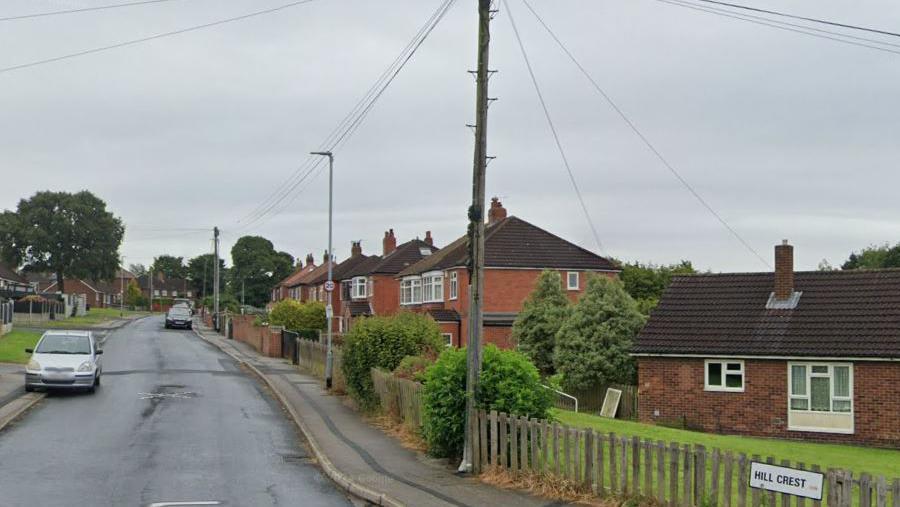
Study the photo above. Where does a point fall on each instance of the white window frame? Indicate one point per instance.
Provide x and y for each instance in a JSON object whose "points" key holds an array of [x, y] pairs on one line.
{"points": [[454, 285], [358, 287], [174, 293], [433, 287], [408, 288], [448, 337], [808, 395], [156, 292], [725, 371], [165, 293], [190, 294], [569, 285]]}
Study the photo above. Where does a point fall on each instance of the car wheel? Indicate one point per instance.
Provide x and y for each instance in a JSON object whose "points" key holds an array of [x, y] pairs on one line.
{"points": [[29, 389], [97, 381], [92, 389]]}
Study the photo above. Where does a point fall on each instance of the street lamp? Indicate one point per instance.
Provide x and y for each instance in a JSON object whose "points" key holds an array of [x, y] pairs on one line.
{"points": [[329, 285]]}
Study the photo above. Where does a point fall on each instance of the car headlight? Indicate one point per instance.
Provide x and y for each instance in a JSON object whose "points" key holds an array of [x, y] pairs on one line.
{"points": [[33, 366], [86, 366]]}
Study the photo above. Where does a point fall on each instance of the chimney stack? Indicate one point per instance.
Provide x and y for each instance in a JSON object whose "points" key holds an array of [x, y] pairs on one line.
{"points": [[428, 239], [389, 242], [784, 271], [325, 257], [310, 260], [355, 248], [497, 211]]}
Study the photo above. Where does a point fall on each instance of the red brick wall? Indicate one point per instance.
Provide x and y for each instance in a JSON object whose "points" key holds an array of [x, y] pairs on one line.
{"points": [[385, 299], [674, 388]]}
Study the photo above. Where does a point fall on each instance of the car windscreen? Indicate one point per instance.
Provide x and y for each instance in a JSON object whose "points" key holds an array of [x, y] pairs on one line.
{"points": [[179, 313], [64, 344]]}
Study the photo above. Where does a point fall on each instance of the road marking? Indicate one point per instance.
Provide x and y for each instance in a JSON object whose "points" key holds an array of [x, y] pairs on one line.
{"points": [[174, 504], [157, 396]]}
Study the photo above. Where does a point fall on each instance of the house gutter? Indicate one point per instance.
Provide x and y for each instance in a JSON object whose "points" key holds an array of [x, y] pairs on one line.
{"points": [[785, 358]]}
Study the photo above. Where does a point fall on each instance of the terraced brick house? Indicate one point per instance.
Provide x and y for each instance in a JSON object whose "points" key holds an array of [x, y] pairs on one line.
{"points": [[516, 252], [342, 290], [288, 288], [805, 355]]}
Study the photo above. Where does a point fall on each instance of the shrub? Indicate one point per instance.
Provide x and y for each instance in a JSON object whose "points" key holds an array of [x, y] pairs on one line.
{"points": [[294, 315], [593, 345], [509, 383], [382, 342], [543, 313], [413, 367]]}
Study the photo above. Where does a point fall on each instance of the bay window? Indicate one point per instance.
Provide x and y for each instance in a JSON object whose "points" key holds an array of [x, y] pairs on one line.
{"points": [[454, 285], [411, 291], [358, 287], [433, 287]]}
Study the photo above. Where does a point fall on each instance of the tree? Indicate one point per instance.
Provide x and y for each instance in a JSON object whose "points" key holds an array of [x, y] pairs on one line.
{"points": [[133, 295], [200, 271], [646, 282], [874, 257], [70, 235], [536, 326], [171, 266], [592, 347], [256, 267], [138, 270]]}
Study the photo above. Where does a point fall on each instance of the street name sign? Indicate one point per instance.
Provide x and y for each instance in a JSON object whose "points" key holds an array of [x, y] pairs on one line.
{"points": [[786, 480]]}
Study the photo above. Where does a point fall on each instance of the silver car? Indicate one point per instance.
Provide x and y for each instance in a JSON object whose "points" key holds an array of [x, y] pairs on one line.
{"points": [[64, 360]]}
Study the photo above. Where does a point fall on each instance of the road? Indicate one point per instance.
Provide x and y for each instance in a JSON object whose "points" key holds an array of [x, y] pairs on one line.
{"points": [[175, 420]]}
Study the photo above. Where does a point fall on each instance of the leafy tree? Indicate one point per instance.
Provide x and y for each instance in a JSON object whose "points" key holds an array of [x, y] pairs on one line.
{"points": [[200, 271], [171, 266], [646, 282], [592, 347], [138, 270], [874, 257], [257, 267], [508, 383], [539, 321], [133, 295], [70, 235]]}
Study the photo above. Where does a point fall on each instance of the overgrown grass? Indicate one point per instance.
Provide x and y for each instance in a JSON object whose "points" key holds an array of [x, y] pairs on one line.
{"points": [[13, 345], [854, 458], [93, 317]]}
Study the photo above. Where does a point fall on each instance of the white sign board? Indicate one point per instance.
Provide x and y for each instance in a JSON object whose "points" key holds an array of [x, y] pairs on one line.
{"points": [[329, 312], [329, 286], [611, 402], [786, 480]]}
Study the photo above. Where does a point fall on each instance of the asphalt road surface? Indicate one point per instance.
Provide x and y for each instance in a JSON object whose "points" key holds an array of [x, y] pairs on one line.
{"points": [[175, 420]]}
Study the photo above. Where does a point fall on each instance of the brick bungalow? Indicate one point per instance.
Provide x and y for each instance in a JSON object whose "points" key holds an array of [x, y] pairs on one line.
{"points": [[374, 287], [516, 252], [12, 284], [806, 355]]}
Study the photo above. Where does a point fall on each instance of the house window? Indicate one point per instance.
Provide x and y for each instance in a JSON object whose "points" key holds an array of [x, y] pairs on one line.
{"points": [[174, 293], [454, 285], [411, 291], [821, 388], [156, 292], [359, 287], [433, 288], [190, 294], [311, 293], [572, 280], [165, 293], [448, 339], [724, 376]]}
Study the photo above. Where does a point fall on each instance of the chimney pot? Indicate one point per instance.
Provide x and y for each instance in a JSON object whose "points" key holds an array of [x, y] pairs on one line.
{"points": [[428, 239], [310, 260], [497, 211], [355, 248], [389, 243], [784, 271]]}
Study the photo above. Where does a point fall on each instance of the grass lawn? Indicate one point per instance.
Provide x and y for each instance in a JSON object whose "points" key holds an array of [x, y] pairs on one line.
{"points": [[856, 459], [94, 316], [13, 345]]}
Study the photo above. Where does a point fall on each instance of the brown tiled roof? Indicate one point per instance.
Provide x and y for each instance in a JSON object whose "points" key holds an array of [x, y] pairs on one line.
{"points": [[8, 273], [361, 269], [839, 314], [337, 272], [402, 257], [307, 277], [291, 280], [515, 243]]}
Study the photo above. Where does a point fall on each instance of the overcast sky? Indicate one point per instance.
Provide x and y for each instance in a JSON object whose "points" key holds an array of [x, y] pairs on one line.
{"points": [[785, 135]]}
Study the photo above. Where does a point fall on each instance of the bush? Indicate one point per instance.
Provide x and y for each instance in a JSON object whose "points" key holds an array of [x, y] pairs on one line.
{"points": [[383, 342], [509, 383], [543, 313], [294, 315], [413, 367]]}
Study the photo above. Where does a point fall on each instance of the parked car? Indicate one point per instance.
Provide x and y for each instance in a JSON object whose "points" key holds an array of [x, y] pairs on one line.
{"points": [[185, 302], [64, 360], [179, 317]]}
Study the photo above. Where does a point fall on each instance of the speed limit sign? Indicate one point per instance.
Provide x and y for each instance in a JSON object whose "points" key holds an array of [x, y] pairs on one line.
{"points": [[329, 286]]}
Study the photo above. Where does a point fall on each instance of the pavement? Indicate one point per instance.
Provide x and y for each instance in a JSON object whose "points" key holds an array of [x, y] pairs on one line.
{"points": [[174, 420], [360, 457]]}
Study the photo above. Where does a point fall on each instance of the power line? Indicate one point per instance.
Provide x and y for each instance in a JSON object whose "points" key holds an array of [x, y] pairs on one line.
{"points": [[152, 37], [792, 16], [644, 138], [781, 25], [83, 9], [559, 146], [346, 130]]}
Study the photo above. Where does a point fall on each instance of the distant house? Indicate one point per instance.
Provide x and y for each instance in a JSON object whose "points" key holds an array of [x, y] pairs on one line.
{"points": [[160, 287], [342, 290], [372, 283], [302, 288], [12, 284], [285, 288], [516, 252], [807, 355]]}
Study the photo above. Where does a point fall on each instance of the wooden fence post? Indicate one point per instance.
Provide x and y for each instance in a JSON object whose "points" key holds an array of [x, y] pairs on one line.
{"points": [[818, 503], [727, 479], [865, 490], [567, 445], [673, 474], [545, 447], [556, 448], [714, 478], [755, 493], [613, 457], [742, 480], [623, 464], [785, 498], [635, 465], [524, 466], [896, 494], [504, 442], [494, 436], [687, 475], [483, 438], [770, 495], [513, 443], [661, 472], [589, 460], [648, 467], [832, 479], [699, 474], [576, 439], [847, 490], [535, 456], [881, 491], [601, 461]]}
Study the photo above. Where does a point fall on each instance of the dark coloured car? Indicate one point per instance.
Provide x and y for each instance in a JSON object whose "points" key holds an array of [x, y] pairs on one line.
{"points": [[179, 317]]}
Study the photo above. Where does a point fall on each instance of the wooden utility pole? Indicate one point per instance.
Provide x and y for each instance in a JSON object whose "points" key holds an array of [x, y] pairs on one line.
{"points": [[216, 280], [476, 230]]}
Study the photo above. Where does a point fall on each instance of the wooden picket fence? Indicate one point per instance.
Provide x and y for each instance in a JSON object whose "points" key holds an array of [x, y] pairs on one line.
{"points": [[400, 398], [671, 474], [311, 357]]}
